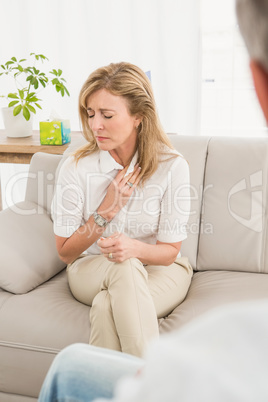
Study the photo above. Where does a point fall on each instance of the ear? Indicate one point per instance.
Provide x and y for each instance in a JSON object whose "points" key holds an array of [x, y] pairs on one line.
{"points": [[138, 120], [260, 78]]}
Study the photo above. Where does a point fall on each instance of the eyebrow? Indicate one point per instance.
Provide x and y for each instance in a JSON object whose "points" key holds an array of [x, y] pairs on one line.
{"points": [[102, 110]]}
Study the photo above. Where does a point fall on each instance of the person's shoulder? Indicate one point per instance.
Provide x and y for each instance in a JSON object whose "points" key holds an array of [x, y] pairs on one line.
{"points": [[86, 161], [73, 166], [170, 156]]}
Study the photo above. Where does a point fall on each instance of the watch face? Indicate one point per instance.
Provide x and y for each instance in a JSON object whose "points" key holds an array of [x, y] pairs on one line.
{"points": [[100, 220]]}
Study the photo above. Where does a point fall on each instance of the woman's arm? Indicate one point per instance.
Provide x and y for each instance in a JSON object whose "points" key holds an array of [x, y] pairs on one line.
{"points": [[118, 194], [123, 247]]}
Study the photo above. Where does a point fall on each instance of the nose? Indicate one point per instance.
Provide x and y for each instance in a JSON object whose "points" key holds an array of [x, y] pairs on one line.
{"points": [[96, 123]]}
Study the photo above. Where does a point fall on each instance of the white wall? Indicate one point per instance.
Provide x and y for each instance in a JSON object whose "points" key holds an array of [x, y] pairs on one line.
{"points": [[80, 35]]}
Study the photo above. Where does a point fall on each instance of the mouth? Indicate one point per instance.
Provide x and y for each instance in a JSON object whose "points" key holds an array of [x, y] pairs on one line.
{"points": [[99, 138]]}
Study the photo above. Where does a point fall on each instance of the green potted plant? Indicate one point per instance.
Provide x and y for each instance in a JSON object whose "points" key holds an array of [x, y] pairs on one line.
{"points": [[28, 80]]}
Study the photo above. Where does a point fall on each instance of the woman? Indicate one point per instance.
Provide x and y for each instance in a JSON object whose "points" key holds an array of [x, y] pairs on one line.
{"points": [[120, 210]]}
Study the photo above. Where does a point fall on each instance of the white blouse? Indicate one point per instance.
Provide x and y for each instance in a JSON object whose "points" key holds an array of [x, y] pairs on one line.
{"points": [[157, 211]]}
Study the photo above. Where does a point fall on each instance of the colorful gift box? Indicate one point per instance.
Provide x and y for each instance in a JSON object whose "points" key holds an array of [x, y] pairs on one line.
{"points": [[55, 132]]}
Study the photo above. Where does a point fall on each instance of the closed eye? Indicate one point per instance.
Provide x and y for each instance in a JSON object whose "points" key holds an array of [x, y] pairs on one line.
{"points": [[107, 117]]}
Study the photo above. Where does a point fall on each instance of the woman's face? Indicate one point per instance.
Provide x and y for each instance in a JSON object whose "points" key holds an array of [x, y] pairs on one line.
{"points": [[109, 119]]}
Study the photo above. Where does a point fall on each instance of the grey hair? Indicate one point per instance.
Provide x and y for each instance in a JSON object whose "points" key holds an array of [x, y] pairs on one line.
{"points": [[252, 18]]}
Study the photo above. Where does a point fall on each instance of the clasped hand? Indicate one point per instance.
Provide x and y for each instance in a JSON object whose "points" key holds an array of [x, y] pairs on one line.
{"points": [[118, 247]]}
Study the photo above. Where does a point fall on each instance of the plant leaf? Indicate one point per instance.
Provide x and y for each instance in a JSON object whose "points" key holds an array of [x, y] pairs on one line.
{"points": [[21, 92], [37, 104], [43, 83], [31, 108], [26, 113], [66, 90], [17, 110], [13, 96], [13, 103], [32, 99], [36, 84]]}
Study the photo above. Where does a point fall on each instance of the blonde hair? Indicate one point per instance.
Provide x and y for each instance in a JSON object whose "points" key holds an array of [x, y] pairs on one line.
{"points": [[130, 82]]}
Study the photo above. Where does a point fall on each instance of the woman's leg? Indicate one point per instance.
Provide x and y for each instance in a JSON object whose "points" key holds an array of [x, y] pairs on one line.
{"points": [[122, 307], [169, 285], [82, 373]]}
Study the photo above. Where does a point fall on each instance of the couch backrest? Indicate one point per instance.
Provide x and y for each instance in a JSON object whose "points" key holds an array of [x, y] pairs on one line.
{"points": [[227, 229], [194, 149], [233, 234]]}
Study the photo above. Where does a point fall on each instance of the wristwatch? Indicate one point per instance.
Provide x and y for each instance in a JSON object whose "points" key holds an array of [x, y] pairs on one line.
{"points": [[100, 220]]}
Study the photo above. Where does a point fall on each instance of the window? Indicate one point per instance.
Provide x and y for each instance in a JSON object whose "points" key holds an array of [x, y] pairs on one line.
{"points": [[229, 105]]}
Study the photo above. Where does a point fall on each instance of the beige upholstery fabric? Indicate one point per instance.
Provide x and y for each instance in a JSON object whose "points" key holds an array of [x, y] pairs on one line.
{"points": [[195, 152], [235, 206], [229, 194], [34, 327], [41, 180], [28, 255], [212, 289]]}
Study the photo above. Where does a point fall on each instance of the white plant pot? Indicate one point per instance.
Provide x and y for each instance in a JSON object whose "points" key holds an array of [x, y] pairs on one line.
{"points": [[16, 126]]}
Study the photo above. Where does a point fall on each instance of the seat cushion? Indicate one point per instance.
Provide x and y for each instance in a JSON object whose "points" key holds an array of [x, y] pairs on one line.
{"points": [[211, 289], [34, 327]]}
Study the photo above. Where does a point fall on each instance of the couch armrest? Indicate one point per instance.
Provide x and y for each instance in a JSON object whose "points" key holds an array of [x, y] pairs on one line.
{"points": [[41, 179]]}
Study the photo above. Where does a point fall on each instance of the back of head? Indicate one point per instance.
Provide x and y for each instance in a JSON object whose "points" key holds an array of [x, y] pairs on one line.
{"points": [[252, 18]]}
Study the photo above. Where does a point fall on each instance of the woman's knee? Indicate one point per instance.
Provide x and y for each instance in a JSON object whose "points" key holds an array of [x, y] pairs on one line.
{"points": [[130, 268]]}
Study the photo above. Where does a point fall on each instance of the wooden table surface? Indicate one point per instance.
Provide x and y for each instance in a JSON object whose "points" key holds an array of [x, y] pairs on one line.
{"points": [[21, 150]]}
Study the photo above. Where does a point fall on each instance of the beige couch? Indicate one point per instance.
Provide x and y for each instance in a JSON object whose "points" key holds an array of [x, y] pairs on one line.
{"points": [[227, 246]]}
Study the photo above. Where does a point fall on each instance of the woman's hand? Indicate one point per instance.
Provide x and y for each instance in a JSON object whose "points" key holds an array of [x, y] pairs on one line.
{"points": [[118, 247], [119, 192]]}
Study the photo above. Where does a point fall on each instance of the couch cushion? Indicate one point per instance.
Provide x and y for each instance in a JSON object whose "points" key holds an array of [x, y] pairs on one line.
{"points": [[235, 206], [28, 252], [34, 327], [194, 149], [210, 290]]}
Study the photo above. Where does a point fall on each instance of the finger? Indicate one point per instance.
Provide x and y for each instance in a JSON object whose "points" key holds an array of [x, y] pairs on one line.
{"points": [[108, 241], [107, 250], [131, 177], [110, 256], [135, 176], [120, 175]]}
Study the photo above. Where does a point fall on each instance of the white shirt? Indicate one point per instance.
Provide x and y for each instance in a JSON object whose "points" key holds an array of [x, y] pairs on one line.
{"points": [[157, 211]]}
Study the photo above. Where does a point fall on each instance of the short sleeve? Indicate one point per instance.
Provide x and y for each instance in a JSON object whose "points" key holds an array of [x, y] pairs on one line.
{"points": [[68, 200], [175, 204]]}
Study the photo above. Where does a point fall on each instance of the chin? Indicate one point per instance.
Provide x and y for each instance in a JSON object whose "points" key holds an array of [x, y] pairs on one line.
{"points": [[104, 147]]}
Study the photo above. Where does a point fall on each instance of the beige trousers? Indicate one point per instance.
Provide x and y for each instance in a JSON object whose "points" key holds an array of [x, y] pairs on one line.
{"points": [[127, 298]]}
